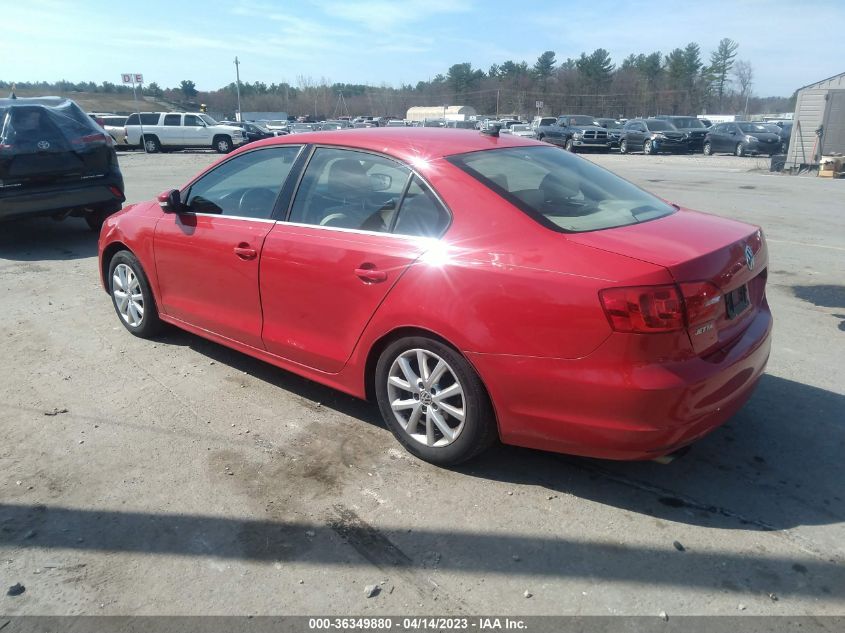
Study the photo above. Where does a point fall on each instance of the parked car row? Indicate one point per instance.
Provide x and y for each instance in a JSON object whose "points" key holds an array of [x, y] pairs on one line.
{"points": [[662, 133]]}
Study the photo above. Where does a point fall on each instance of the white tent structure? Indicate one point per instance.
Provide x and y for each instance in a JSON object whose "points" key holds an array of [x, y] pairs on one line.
{"points": [[450, 113]]}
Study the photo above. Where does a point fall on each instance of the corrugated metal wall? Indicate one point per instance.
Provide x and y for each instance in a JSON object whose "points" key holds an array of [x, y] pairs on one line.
{"points": [[809, 115], [834, 125], [815, 106]]}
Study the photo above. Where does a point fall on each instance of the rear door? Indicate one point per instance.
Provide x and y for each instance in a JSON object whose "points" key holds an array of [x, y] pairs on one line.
{"points": [[325, 271], [172, 130], [207, 257]]}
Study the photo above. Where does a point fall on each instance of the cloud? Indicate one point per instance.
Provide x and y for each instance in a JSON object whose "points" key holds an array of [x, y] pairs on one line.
{"points": [[388, 16]]}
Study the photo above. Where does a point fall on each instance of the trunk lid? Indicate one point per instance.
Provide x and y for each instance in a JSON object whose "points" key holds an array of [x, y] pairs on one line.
{"points": [[697, 247]]}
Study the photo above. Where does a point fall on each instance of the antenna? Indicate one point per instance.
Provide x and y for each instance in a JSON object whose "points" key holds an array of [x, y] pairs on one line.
{"points": [[340, 106]]}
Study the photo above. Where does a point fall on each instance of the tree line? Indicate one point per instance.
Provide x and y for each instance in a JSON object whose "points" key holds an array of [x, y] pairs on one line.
{"points": [[678, 82]]}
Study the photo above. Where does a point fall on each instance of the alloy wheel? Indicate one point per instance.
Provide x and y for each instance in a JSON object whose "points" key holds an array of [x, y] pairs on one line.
{"points": [[426, 398], [128, 298]]}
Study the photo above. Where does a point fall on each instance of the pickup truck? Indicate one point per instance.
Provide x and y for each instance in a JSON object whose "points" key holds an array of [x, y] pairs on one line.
{"points": [[179, 130], [574, 132]]}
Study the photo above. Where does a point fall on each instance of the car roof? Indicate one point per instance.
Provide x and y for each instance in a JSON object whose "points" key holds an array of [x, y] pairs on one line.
{"points": [[405, 143], [51, 102]]}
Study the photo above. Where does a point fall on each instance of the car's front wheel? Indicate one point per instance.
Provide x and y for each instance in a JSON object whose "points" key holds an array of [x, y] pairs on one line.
{"points": [[130, 292], [569, 146], [433, 401], [740, 149], [223, 144], [648, 147], [623, 146], [707, 149]]}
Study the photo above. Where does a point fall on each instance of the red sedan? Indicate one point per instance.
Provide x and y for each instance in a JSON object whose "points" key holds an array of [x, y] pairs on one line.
{"points": [[478, 287]]}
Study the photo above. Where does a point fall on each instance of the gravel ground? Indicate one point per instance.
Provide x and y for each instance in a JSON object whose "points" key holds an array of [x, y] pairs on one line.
{"points": [[179, 477]]}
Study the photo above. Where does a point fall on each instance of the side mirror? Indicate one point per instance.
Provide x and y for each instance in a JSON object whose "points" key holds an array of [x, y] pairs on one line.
{"points": [[170, 201]]}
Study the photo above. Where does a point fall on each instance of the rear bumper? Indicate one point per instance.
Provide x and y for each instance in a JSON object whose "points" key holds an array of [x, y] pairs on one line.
{"points": [[56, 199], [602, 406]]}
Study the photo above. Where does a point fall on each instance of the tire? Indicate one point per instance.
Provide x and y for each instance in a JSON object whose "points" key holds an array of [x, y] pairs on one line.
{"points": [[151, 144], [472, 435], [223, 144], [623, 146], [121, 265], [648, 147], [739, 150], [707, 149], [569, 146], [95, 219], [540, 137]]}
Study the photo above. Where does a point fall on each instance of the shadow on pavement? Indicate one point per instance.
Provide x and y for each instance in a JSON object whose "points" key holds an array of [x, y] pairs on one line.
{"points": [[42, 239], [326, 544], [776, 465]]}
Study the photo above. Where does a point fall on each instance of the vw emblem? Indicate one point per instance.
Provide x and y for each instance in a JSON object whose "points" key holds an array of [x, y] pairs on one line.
{"points": [[749, 257], [43, 144]]}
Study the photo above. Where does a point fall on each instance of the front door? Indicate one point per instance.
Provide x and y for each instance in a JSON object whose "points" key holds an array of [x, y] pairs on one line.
{"points": [[207, 256], [356, 224]]}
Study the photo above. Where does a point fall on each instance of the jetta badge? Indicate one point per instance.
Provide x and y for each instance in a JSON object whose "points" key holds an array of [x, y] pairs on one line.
{"points": [[749, 257], [43, 144]]}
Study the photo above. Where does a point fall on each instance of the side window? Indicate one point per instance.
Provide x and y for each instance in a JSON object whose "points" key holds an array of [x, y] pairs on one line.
{"points": [[246, 186], [421, 214], [132, 120], [149, 118], [349, 189], [172, 119], [191, 120]]}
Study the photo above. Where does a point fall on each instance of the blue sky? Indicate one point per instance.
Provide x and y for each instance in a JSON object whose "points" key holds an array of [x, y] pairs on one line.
{"points": [[394, 42]]}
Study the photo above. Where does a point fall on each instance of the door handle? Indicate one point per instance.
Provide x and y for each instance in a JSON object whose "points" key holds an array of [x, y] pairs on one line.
{"points": [[245, 252], [370, 274]]}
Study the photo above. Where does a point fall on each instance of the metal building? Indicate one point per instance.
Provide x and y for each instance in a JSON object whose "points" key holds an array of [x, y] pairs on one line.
{"points": [[450, 113], [819, 122]]}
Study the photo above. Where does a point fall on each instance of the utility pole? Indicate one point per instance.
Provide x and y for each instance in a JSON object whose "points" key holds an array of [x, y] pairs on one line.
{"points": [[497, 103], [238, 86]]}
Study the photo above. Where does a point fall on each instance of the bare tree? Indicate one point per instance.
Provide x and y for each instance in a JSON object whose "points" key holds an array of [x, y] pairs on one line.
{"points": [[744, 75]]}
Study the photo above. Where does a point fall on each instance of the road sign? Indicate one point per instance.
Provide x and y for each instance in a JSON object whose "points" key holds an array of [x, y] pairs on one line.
{"points": [[127, 78], [538, 104], [132, 78], [139, 78]]}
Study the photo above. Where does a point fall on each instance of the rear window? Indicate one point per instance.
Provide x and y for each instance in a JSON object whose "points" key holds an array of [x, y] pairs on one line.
{"points": [[561, 191]]}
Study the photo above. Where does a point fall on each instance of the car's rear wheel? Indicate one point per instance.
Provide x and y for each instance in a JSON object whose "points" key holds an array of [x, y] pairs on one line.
{"points": [[540, 137], [130, 291], [223, 144], [707, 149], [433, 401], [740, 149], [623, 146], [151, 144]]}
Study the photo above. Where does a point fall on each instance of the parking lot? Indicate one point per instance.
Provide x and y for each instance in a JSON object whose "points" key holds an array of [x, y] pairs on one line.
{"points": [[181, 477]]}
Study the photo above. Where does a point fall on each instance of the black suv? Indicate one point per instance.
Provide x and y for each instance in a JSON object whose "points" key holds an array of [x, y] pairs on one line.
{"points": [[692, 127], [651, 136], [56, 161]]}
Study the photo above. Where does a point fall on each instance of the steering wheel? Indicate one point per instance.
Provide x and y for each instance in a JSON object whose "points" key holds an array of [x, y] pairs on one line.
{"points": [[257, 203]]}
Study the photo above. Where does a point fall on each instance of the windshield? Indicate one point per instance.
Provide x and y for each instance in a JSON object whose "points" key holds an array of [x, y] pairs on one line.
{"points": [[561, 191], [581, 120], [208, 120], [657, 124], [520, 127], [260, 128], [752, 127], [687, 122]]}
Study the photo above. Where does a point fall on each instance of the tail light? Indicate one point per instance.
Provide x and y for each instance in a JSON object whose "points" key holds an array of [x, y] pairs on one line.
{"points": [[644, 309], [99, 137], [667, 308]]}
